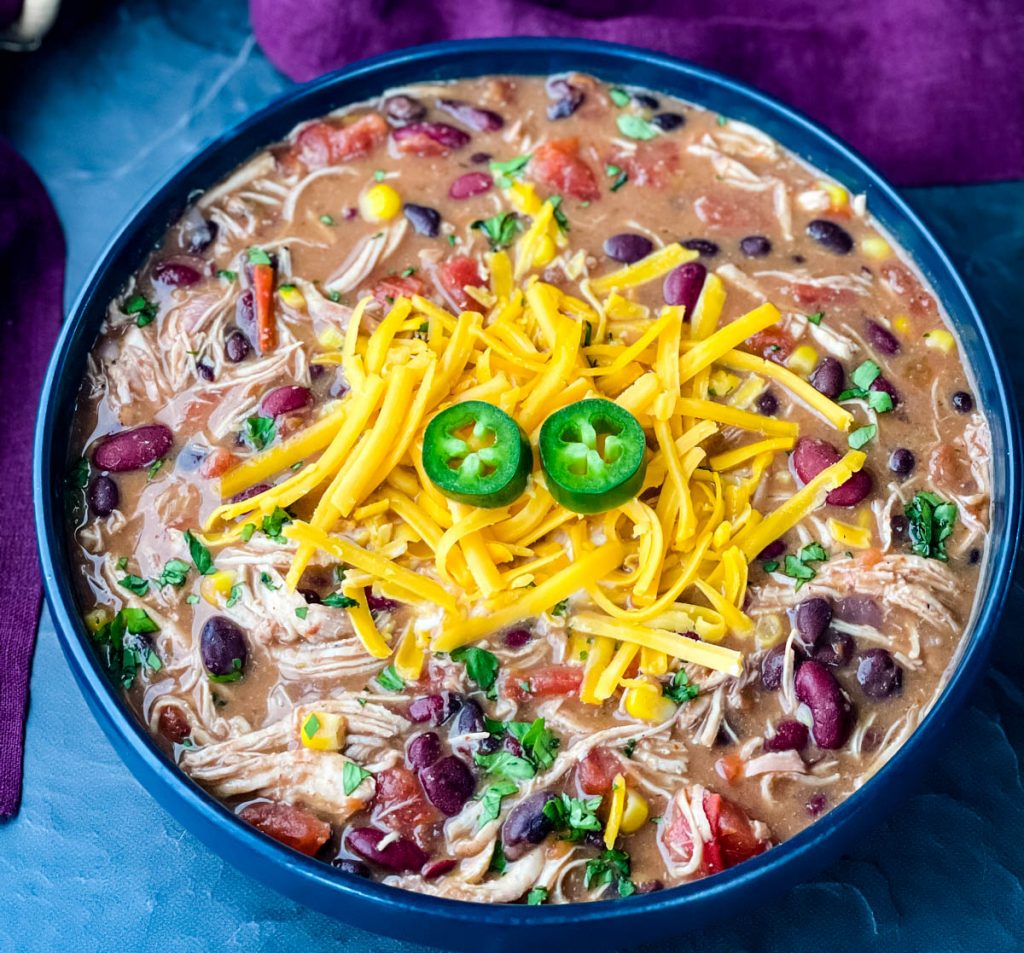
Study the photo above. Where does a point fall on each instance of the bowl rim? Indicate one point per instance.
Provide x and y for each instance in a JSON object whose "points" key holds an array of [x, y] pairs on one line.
{"points": [[247, 848]]}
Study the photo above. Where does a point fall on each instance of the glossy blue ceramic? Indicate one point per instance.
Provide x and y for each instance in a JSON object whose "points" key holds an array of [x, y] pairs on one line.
{"points": [[448, 924]]}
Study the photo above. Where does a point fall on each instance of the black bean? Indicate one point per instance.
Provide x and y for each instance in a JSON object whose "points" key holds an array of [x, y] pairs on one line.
{"points": [[812, 618], [879, 674], [835, 650], [103, 496], [645, 100], [828, 377], [479, 158], [974, 557], [526, 825], [882, 384], [667, 122], [204, 370], [355, 867], [899, 526], [436, 709], [567, 98], [901, 462], [470, 718], [628, 247], [311, 596], [772, 663], [402, 110], [236, 346], [963, 403], [703, 247], [424, 220], [755, 246], [831, 236], [222, 646], [767, 403], [882, 338]]}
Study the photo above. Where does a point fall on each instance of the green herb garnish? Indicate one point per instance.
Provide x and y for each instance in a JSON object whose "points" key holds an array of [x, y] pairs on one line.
{"points": [[135, 584], [257, 256], [610, 867], [481, 666], [680, 689], [273, 523], [337, 600], [815, 318], [144, 310], [352, 775], [326, 219], [235, 596], [619, 96], [389, 679], [931, 523], [78, 475], [247, 532], [124, 649], [201, 557], [174, 573], [574, 816], [560, 608], [302, 611], [226, 275], [267, 581], [862, 435], [259, 431], [508, 170], [501, 229], [491, 807], [504, 764], [154, 469], [798, 567], [407, 272], [234, 675], [536, 896], [635, 127]]}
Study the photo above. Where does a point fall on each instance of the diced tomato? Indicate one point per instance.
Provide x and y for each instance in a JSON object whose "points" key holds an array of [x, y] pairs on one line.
{"points": [[322, 143], [455, 275], [817, 296], [549, 682], [901, 281], [557, 164], [217, 463], [288, 824], [653, 163], [396, 286], [729, 767], [733, 832], [773, 344], [732, 212], [595, 773], [400, 803]]}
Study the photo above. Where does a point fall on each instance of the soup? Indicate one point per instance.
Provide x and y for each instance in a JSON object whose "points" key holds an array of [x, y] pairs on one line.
{"points": [[529, 491]]}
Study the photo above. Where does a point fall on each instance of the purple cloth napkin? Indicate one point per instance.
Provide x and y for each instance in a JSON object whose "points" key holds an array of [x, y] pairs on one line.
{"points": [[930, 90], [32, 276]]}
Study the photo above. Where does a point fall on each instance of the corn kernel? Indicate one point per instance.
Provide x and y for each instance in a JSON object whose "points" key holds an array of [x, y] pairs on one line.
{"points": [[940, 340], [331, 337], [323, 731], [644, 700], [96, 618], [523, 197], [635, 812], [769, 631], [722, 383], [546, 251], [874, 246], [838, 197], [901, 324], [379, 203], [803, 360], [292, 297], [856, 537], [217, 586]]}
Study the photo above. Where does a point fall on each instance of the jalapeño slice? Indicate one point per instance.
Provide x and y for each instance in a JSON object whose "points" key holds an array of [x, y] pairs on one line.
{"points": [[475, 453], [594, 455]]}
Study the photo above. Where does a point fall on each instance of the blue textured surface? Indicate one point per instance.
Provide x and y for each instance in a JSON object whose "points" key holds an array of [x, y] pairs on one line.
{"points": [[92, 863]]}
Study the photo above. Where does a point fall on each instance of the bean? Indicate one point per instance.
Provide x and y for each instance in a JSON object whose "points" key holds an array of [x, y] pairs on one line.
{"points": [[963, 403], [423, 750], [470, 719], [812, 618], [816, 803], [197, 233], [830, 236], [249, 492], [835, 650], [173, 724], [222, 646], [683, 285], [438, 868], [767, 403], [645, 101], [883, 385], [245, 317], [481, 120], [649, 886], [788, 736], [828, 377], [810, 456], [772, 663], [901, 462], [354, 867], [703, 247], [436, 709], [882, 339], [526, 825], [517, 638], [831, 712], [755, 246], [398, 856], [853, 491], [628, 247], [204, 370], [311, 596], [448, 784], [567, 98], [879, 674], [176, 274], [899, 525], [772, 550], [479, 158], [425, 221], [236, 346], [668, 122], [448, 137], [284, 400], [471, 184], [132, 449], [377, 603], [103, 496], [401, 110]]}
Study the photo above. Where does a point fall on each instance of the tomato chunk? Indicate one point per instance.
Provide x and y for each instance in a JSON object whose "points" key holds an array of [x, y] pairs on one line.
{"points": [[773, 344], [289, 825], [549, 682], [557, 164], [455, 275], [216, 463], [322, 143], [595, 773], [653, 163], [400, 803], [396, 286], [732, 836]]}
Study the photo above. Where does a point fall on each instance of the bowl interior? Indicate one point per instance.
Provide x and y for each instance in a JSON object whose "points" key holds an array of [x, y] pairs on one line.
{"points": [[362, 902]]}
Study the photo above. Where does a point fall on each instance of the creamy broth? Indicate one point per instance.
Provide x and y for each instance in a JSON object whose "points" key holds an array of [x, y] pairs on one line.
{"points": [[451, 743]]}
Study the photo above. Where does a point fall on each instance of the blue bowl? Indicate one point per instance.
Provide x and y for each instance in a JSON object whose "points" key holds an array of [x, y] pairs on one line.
{"points": [[444, 923]]}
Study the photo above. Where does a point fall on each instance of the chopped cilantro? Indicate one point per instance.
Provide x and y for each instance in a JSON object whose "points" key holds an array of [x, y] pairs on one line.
{"points": [[337, 600], [815, 318], [273, 523], [500, 229], [491, 807], [879, 401], [771, 565], [310, 727], [498, 861], [609, 867], [866, 374], [862, 435], [154, 469], [267, 581], [259, 431], [135, 584], [931, 523], [680, 689], [226, 275], [504, 764], [536, 896], [538, 741], [78, 475], [144, 310], [201, 557], [247, 532], [558, 215], [481, 666], [407, 272], [334, 295], [720, 120], [508, 170], [451, 239], [326, 219], [629, 747], [124, 648], [257, 256], [635, 127], [574, 816], [122, 563], [352, 775], [192, 599], [620, 180], [302, 611], [813, 552], [234, 675], [799, 568], [390, 680], [174, 573], [619, 96], [560, 608], [235, 596], [379, 175]]}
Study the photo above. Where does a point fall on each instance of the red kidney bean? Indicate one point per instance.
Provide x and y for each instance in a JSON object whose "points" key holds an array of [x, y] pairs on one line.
{"points": [[628, 247], [482, 120], [567, 98], [755, 246], [853, 491], [683, 285], [517, 638], [812, 618], [879, 674], [245, 317], [398, 856], [132, 449], [284, 400], [103, 496], [448, 784], [512, 745], [526, 825], [222, 646], [831, 712], [249, 493], [859, 610], [882, 339], [438, 868], [703, 247], [236, 346], [772, 664], [816, 803], [429, 138], [401, 110], [425, 221], [789, 736], [436, 709], [470, 184], [882, 384], [423, 750], [176, 274], [811, 456], [772, 550], [828, 377], [830, 236], [377, 603], [173, 724], [901, 462]]}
